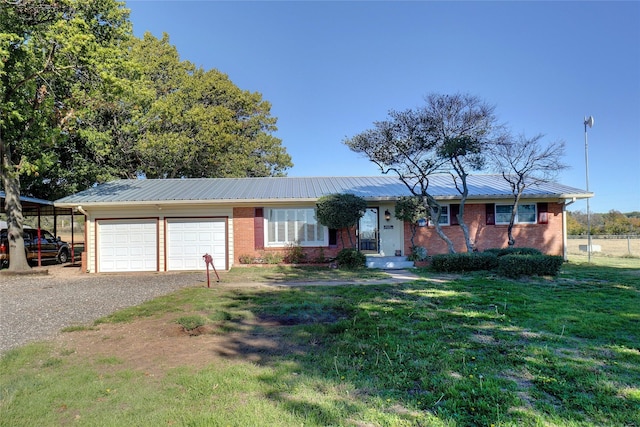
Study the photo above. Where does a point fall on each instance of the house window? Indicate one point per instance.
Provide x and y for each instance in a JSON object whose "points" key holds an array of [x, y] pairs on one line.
{"points": [[444, 216], [526, 214], [294, 226]]}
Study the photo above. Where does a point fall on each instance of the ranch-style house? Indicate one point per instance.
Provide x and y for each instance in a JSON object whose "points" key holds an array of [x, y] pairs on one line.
{"points": [[169, 224]]}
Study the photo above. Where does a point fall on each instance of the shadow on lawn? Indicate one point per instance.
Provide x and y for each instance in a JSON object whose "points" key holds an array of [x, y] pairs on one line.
{"points": [[474, 350]]}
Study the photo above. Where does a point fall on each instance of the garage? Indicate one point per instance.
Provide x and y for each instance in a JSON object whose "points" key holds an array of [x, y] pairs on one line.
{"points": [[127, 245], [188, 239]]}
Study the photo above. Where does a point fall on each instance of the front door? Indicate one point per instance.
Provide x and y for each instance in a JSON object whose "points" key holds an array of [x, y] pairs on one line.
{"points": [[368, 232]]}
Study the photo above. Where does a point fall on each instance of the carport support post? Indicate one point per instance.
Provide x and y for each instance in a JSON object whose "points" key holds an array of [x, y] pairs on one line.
{"points": [[73, 251], [39, 246]]}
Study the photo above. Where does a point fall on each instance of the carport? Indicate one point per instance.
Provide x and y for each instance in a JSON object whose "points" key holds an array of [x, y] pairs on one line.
{"points": [[33, 207]]}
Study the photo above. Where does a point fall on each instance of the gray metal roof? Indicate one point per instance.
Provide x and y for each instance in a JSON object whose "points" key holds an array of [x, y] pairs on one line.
{"points": [[297, 189]]}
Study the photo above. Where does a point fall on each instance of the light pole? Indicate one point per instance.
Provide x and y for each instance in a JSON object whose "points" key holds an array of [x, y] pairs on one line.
{"points": [[587, 122]]}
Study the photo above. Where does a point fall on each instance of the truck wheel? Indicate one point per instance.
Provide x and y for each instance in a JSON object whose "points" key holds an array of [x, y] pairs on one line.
{"points": [[63, 257]]}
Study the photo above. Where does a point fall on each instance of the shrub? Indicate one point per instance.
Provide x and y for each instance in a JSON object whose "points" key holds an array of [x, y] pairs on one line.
{"points": [[499, 252], [465, 261], [320, 257], [190, 323], [246, 259], [294, 254], [351, 259], [418, 253], [272, 258], [515, 266]]}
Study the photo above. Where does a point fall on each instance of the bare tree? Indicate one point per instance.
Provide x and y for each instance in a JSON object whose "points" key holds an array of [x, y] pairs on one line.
{"points": [[525, 162]]}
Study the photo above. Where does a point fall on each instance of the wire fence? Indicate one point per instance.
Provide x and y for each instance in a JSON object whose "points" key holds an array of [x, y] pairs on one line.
{"points": [[605, 245]]}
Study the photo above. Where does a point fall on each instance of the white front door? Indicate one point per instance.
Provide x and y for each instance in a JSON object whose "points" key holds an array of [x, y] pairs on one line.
{"points": [[188, 239]]}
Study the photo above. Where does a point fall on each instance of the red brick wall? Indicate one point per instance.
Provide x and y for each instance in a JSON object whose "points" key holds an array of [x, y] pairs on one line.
{"points": [[546, 237], [243, 232], [244, 235]]}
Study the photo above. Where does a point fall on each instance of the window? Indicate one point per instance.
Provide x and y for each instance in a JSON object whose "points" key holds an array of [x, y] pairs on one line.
{"points": [[444, 216], [526, 214], [287, 226]]}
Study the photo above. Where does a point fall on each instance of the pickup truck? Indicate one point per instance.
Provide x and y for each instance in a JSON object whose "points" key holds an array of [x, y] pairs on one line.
{"points": [[50, 247]]}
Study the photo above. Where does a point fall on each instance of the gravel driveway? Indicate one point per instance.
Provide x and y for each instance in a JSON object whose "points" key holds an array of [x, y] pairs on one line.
{"points": [[37, 307]]}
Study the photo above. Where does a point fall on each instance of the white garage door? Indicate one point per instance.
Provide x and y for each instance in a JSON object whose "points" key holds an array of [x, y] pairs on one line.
{"points": [[189, 239], [127, 245]]}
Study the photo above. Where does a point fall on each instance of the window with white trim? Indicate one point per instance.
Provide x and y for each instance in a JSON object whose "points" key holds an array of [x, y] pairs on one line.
{"points": [[444, 216], [526, 214], [294, 226]]}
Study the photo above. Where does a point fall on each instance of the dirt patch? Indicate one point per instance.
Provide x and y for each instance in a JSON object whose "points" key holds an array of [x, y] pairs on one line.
{"points": [[156, 345]]}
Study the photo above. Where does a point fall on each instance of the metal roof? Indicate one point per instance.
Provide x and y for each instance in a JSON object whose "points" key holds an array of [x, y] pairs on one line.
{"points": [[207, 190], [32, 206]]}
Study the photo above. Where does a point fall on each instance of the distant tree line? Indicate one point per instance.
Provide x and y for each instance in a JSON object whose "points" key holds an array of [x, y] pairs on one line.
{"points": [[612, 222]]}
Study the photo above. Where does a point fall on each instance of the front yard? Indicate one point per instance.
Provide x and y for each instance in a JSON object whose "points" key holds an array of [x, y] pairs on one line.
{"points": [[444, 350]]}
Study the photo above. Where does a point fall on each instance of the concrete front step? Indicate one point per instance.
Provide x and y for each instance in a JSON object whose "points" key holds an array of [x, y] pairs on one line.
{"points": [[389, 262]]}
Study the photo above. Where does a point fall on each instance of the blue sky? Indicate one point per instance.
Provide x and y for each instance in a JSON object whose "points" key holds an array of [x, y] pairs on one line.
{"points": [[330, 69]]}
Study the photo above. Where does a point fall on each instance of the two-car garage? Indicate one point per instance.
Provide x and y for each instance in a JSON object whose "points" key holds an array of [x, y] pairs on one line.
{"points": [[152, 244]]}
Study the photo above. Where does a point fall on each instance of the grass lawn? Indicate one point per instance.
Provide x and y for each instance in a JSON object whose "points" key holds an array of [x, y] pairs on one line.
{"points": [[453, 350]]}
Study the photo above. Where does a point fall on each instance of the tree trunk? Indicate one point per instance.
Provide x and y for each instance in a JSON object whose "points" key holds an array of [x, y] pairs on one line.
{"points": [[512, 220], [463, 225], [13, 208], [434, 208]]}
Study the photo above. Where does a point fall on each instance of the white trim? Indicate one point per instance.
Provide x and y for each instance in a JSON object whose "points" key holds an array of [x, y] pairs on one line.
{"points": [[443, 215], [517, 218], [284, 237]]}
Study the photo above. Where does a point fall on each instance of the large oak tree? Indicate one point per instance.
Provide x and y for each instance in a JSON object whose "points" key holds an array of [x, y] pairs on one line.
{"points": [[82, 102], [202, 125], [54, 57]]}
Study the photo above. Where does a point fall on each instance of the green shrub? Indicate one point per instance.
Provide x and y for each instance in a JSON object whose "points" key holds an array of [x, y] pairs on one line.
{"points": [[272, 258], [466, 261], [190, 323], [515, 266], [418, 253], [499, 252], [351, 259]]}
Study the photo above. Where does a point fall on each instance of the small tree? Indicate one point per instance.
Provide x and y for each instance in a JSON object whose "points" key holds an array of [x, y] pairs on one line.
{"points": [[525, 162], [340, 211], [410, 210]]}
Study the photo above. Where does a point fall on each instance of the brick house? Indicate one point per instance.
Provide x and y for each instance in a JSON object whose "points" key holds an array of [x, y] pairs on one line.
{"points": [[167, 225]]}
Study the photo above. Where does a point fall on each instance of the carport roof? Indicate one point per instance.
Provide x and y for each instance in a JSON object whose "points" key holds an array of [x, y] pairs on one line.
{"points": [[288, 189], [32, 206]]}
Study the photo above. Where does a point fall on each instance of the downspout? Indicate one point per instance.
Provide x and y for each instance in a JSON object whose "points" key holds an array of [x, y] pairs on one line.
{"points": [[564, 228], [83, 267], [81, 210]]}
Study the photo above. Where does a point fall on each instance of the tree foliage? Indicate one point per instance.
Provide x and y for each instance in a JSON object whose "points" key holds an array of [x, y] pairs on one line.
{"points": [[613, 222], [82, 101], [202, 125], [55, 56], [449, 133], [340, 211], [465, 129], [410, 209]]}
